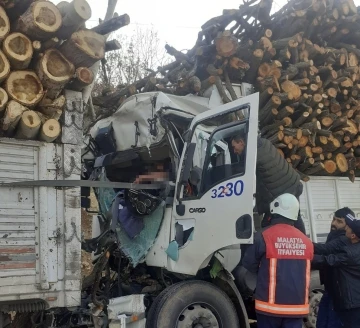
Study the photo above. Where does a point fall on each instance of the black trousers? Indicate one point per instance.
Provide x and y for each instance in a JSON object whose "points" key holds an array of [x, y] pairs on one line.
{"points": [[350, 318], [265, 321]]}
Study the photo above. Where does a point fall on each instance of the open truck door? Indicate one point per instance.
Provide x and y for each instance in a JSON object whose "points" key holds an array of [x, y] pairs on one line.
{"points": [[213, 205]]}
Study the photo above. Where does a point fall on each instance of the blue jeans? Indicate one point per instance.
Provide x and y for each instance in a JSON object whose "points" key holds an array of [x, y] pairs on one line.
{"points": [[327, 317], [266, 321]]}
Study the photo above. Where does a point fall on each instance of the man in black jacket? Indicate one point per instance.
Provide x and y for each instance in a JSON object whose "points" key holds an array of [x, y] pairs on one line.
{"points": [[343, 256], [327, 317], [274, 177]]}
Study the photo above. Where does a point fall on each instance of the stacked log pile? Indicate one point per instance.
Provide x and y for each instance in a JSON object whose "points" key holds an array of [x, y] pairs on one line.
{"points": [[44, 49], [304, 61]]}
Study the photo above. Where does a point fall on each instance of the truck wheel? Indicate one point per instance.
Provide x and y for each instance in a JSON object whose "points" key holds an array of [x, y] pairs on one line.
{"points": [[192, 304]]}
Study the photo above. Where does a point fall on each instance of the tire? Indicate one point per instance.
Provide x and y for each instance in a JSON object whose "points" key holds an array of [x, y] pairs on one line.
{"points": [[189, 303]]}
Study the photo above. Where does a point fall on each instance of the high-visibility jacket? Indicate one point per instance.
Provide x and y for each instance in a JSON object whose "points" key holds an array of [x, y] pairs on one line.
{"points": [[281, 256]]}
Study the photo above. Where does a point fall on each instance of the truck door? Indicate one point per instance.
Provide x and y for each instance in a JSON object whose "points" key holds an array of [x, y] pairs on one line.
{"points": [[213, 207]]}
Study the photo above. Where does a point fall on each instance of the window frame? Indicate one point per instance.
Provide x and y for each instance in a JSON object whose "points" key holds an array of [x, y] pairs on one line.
{"points": [[219, 128]]}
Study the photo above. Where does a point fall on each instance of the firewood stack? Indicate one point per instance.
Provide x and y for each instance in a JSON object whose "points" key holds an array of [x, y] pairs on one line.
{"points": [[46, 48], [303, 60]]}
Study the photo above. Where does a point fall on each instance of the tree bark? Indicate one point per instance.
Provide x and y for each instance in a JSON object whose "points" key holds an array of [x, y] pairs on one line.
{"points": [[4, 98], [74, 15], [4, 67], [13, 114], [24, 87], [29, 125], [112, 25], [41, 21], [4, 23], [83, 78], [54, 71], [84, 48], [112, 45], [19, 50], [51, 108]]}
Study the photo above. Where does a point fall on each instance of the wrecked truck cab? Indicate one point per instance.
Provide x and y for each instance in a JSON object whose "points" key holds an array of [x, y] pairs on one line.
{"points": [[194, 224]]}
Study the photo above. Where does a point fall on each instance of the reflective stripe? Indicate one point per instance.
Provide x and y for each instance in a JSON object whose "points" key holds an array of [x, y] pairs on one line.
{"points": [[281, 309], [307, 283], [272, 280]]}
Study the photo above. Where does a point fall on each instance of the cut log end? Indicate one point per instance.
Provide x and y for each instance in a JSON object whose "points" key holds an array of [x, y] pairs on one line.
{"points": [[226, 44], [13, 114], [19, 50], [50, 130], [29, 125], [4, 24], [84, 48], [4, 98], [40, 21], [24, 87], [82, 9], [342, 163]]}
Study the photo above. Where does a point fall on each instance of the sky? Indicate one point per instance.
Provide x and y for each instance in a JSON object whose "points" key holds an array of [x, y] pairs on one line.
{"points": [[177, 22]]}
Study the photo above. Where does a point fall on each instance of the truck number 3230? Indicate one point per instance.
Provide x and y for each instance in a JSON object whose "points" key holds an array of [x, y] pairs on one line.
{"points": [[231, 189]]}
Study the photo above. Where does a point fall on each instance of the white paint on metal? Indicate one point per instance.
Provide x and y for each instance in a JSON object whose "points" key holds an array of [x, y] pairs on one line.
{"points": [[41, 263]]}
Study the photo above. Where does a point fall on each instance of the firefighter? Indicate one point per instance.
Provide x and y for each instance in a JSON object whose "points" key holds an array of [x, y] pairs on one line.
{"points": [[281, 257]]}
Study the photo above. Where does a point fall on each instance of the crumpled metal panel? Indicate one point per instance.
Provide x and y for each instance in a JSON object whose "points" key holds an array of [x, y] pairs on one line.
{"points": [[73, 117]]}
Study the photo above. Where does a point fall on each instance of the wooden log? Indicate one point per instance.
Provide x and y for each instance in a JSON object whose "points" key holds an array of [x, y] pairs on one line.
{"points": [[332, 145], [301, 119], [285, 112], [51, 43], [13, 114], [4, 98], [317, 167], [24, 87], [52, 108], [303, 141], [330, 167], [291, 87], [84, 48], [41, 21], [18, 49], [306, 164], [74, 15], [50, 130], [4, 67], [112, 45], [29, 125], [341, 163], [265, 96], [206, 84], [54, 71], [226, 44], [83, 78], [305, 152], [4, 24], [112, 25], [256, 59]]}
